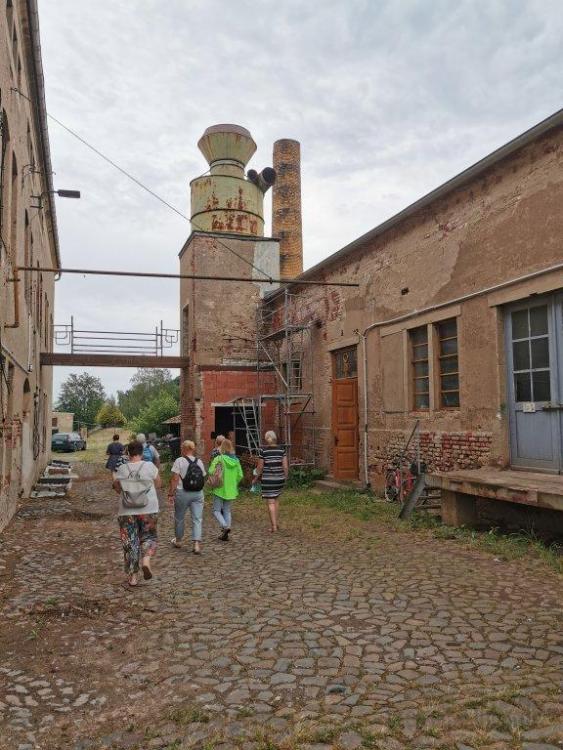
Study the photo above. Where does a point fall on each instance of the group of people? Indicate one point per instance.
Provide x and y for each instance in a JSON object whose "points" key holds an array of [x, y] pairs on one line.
{"points": [[136, 479]]}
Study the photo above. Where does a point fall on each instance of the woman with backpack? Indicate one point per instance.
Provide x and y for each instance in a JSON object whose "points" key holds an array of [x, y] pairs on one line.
{"points": [[225, 473], [137, 482], [186, 491]]}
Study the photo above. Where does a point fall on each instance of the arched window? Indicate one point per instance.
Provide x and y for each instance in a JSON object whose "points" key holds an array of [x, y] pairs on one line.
{"points": [[27, 399], [4, 184], [9, 13], [27, 260], [14, 210]]}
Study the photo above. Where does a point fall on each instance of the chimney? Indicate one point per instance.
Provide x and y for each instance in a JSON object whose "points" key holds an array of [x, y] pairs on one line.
{"points": [[286, 207]]}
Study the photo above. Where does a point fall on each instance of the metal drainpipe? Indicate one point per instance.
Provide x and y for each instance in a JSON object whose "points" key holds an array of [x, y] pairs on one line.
{"points": [[366, 433], [431, 308]]}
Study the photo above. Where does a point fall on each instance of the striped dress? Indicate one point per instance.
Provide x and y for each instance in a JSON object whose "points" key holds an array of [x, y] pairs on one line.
{"points": [[273, 476]]}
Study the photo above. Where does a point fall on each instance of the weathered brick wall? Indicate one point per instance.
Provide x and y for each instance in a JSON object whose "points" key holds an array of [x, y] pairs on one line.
{"points": [[26, 308], [441, 451], [503, 224]]}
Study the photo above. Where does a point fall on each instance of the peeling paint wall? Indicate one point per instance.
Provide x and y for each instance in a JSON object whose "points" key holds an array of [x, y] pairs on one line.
{"points": [[219, 320]]}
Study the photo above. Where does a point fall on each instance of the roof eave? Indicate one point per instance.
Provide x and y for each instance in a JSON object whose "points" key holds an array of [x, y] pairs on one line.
{"points": [[522, 140]]}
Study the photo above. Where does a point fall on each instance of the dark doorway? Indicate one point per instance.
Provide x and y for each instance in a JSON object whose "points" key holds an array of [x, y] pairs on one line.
{"points": [[223, 421], [225, 425]]}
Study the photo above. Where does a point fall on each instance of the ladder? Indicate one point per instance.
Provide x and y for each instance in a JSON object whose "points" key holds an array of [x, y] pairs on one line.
{"points": [[249, 414]]}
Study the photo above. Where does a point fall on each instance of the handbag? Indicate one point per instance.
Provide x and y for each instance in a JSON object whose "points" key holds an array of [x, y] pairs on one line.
{"points": [[134, 490], [216, 479]]}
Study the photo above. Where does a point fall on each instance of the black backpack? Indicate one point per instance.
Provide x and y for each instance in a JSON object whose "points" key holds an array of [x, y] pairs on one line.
{"points": [[194, 480]]}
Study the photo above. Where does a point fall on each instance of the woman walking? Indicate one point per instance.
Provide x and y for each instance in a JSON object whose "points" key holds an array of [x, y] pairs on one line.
{"points": [[272, 469], [137, 482], [186, 491], [226, 471], [114, 452]]}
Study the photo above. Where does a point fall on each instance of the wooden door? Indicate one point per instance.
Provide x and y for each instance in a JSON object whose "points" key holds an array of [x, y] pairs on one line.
{"points": [[345, 414]]}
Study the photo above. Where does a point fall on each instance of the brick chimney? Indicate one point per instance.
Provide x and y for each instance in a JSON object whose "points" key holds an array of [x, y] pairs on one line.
{"points": [[286, 207]]}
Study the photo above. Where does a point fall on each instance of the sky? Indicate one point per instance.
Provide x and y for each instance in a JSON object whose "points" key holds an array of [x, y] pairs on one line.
{"points": [[388, 98]]}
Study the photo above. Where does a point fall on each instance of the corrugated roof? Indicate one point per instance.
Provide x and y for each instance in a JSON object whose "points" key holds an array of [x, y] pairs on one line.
{"points": [[173, 420]]}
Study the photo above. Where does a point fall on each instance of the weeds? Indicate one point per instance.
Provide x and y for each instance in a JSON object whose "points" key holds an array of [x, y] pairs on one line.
{"points": [[188, 715], [364, 507], [394, 723]]}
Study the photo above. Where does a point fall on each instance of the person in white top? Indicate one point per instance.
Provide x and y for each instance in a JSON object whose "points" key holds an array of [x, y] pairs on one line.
{"points": [[186, 491], [138, 511]]}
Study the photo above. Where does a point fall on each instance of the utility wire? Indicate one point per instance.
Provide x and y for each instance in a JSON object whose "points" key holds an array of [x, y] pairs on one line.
{"points": [[145, 187]]}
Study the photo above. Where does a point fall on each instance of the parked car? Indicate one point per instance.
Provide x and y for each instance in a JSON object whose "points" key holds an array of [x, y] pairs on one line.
{"points": [[68, 441]]}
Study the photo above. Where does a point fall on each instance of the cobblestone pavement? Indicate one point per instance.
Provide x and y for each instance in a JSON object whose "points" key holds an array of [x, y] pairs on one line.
{"points": [[300, 640]]}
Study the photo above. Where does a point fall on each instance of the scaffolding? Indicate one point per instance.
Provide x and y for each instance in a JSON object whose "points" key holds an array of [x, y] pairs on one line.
{"points": [[285, 382]]}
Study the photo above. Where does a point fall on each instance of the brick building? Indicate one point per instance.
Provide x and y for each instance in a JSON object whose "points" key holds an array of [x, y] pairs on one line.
{"points": [[457, 322], [28, 232]]}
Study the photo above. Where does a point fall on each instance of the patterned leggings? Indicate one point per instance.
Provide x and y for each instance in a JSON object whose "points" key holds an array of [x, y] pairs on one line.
{"points": [[138, 537]]}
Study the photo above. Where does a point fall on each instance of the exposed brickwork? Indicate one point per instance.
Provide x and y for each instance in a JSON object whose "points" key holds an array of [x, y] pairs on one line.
{"points": [[286, 207], [441, 451]]}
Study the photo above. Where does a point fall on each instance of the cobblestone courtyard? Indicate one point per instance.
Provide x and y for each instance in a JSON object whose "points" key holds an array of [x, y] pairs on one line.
{"points": [[336, 633]]}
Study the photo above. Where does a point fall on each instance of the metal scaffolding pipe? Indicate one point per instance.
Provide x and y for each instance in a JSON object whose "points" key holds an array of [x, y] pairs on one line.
{"points": [[196, 277]]}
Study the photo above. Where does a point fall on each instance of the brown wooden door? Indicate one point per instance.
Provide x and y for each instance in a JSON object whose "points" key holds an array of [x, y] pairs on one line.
{"points": [[345, 415]]}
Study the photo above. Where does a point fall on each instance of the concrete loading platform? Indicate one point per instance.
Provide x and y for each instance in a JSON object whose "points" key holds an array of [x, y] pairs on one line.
{"points": [[461, 490]]}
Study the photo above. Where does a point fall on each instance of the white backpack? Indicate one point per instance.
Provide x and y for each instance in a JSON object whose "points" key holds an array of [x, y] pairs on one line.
{"points": [[134, 490]]}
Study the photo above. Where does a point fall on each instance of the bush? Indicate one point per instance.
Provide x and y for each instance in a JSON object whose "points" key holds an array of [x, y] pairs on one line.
{"points": [[303, 476], [110, 416], [150, 419]]}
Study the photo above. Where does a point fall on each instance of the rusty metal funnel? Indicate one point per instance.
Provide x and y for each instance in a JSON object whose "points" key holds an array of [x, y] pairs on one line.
{"points": [[227, 144]]}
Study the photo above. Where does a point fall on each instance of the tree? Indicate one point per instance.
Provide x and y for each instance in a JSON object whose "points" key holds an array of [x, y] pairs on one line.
{"points": [[150, 419], [145, 384], [83, 395], [109, 415]]}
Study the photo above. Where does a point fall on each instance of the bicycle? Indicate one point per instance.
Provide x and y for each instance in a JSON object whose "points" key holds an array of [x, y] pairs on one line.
{"points": [[400, 480]]}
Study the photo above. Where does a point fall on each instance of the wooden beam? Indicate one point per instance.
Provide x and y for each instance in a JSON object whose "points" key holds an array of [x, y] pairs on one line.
{"points": [[111, 360]]}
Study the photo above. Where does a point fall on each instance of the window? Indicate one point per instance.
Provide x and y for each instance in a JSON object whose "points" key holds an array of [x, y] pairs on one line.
{"points": [[448, 364], [420, 370], [4, 184], [530, 354], [186, 344], [9, 13], [14, 210], [346, 363]]}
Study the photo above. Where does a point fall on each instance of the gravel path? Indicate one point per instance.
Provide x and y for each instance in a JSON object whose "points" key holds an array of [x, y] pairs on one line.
{"points": [[303, 640]]}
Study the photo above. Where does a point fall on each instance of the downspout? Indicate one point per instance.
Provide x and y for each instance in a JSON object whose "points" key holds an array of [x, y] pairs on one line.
{"points": [[363, 337], [423, 310]]}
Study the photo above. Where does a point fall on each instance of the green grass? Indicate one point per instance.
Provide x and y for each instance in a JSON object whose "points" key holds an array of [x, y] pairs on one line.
{"points": [[322, 508], [504, 545]]}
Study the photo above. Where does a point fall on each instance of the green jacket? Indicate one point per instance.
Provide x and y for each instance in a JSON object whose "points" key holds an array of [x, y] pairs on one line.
{"points": [[232, 474]]}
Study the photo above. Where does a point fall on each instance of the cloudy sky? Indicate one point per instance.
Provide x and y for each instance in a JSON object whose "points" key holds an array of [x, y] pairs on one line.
{"points": [[389, 98]]}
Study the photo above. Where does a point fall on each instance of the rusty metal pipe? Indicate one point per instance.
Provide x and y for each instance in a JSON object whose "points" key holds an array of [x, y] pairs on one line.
{"points": [[264, 180], [196, 277], [16, 280]]}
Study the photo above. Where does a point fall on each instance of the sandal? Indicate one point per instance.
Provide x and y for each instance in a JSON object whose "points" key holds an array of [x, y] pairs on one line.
{"points": [[147, 572]]}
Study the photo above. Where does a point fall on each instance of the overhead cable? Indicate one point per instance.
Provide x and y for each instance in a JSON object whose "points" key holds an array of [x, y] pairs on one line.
{"points": [[145, 187]]}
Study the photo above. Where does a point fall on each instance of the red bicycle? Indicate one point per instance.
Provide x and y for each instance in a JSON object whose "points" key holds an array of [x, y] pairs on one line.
{"points": [[399, 481]]}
